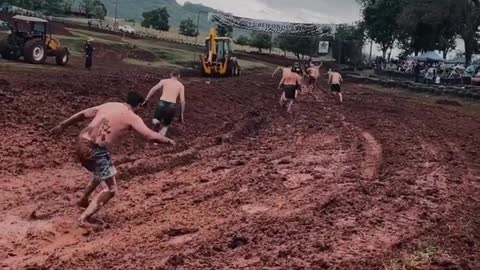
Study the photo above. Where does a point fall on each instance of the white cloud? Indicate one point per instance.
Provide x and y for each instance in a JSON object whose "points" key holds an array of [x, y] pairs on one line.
{"points": [[309, 11]]}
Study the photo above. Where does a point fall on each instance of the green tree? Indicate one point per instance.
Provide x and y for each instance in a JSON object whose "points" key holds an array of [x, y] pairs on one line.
{"points": [[157, 18], [348, 43], [53, 7], [188, 28], [380, 18], [465, 16], [242, 41], [426, 27], [299, 46], [99, 10], [93, 7], [67, 6], [87, 6], [261, 41]]}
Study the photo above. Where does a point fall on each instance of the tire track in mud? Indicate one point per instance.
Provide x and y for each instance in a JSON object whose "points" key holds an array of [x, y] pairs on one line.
{"points": [[423, 169], [332, 187]]}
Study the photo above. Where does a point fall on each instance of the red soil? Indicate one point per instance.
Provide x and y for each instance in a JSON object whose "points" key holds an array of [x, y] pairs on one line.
{"points": [[353, 186]]}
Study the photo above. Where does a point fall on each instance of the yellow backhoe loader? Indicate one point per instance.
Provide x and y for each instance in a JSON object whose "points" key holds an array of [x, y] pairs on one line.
{"points": [[219, 59]]}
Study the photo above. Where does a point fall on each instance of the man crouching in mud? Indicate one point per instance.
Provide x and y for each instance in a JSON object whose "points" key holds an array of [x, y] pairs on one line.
{"points": [[290, 84], [110, 122], [167, 108]]}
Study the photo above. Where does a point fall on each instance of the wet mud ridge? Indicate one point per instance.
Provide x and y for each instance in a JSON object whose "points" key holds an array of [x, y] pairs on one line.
{"points": [[378, 182]]}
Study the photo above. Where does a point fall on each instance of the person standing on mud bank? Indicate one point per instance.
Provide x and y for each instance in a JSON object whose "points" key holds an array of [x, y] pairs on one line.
{"points": [[110, 121], [89, 53], [290, 84], [167, 108], [335, 79]]}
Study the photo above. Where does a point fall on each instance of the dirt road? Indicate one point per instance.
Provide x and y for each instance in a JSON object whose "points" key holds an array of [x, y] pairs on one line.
{"points": [[377, 183]]}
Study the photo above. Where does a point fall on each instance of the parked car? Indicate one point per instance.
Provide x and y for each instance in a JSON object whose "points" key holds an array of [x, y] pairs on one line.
{"points": [[126, 29]]}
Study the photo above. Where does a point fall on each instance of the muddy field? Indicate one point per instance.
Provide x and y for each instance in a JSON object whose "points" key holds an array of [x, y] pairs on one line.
{"points": [[381, 182]]}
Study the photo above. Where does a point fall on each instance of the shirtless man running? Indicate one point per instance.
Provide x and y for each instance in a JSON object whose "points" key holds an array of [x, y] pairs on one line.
{"points": [[285, 69], [290, 84], [110, 122], [313, 73], [335, 79], [167, 108]]}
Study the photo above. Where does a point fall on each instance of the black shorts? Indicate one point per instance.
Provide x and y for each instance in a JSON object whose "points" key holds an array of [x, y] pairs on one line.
{"points": [[335, 88], [311, 80], [165, 112], [290, 91], [96, 159]]}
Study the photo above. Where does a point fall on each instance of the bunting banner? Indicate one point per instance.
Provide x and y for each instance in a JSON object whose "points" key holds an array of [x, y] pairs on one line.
{"points": [[299, 29]]}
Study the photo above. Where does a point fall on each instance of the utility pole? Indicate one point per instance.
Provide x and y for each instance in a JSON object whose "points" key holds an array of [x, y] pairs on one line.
{"points": [[198, 24], [371, 49], [198, 33], [115, 24]]}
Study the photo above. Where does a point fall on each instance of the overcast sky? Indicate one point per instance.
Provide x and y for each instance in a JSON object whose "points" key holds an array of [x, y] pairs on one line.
{"points": [[317, 11]]}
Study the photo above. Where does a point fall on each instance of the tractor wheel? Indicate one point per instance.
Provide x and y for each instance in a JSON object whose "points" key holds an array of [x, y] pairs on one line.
{"points": [[10, 55], [4, 50], [35, 52], [62, 57], [5, 55]]}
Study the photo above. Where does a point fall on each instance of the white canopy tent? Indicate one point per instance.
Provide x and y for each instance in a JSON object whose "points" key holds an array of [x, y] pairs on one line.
{"points": [[429, 57]]}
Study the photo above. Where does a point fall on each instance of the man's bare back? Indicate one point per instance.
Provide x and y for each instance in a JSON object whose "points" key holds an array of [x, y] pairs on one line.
{"points": [[172, 89], [335, 78], [110, 122], [284, 70], [292, 78], [166, 110]]}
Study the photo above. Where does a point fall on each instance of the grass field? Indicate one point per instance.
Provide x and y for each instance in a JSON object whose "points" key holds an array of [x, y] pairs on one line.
{"points": [[162, 53]]}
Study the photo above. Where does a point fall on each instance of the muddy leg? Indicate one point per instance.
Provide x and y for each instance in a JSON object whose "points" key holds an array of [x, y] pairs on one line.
{"points": [[108, 192], [290, 103], [340, 97], [88, 191], [163, 131], [282, 99]]}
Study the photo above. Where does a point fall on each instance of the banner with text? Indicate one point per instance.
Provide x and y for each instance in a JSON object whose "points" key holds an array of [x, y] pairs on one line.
{"points": [[300, 29]]}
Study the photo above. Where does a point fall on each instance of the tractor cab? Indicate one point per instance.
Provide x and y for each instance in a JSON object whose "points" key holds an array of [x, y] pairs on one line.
{"points": [[222, 50], [219, 59], [29, 38], [30, 27]]}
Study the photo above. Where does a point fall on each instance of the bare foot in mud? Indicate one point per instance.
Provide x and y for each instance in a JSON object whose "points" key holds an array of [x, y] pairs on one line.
{"points": [[93, 224], [83, 203]]}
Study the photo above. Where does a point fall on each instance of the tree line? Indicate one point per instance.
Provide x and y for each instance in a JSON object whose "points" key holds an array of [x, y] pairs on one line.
{"points": [[417, 26], [347, 41], [93, 8]]}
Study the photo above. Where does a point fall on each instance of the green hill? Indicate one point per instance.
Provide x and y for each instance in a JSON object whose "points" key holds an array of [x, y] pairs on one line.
{"points": [[133, 9]]}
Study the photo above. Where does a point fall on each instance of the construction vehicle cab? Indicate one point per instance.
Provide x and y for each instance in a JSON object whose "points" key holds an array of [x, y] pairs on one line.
{"points": [[29, 39], [219, 60]]}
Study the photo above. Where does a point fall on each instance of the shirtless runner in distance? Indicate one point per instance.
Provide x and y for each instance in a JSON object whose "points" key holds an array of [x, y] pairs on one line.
{"points": [[335, 79], [313, 73], [285, 69], [290, 84], [110, 122], [167, 108]]}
